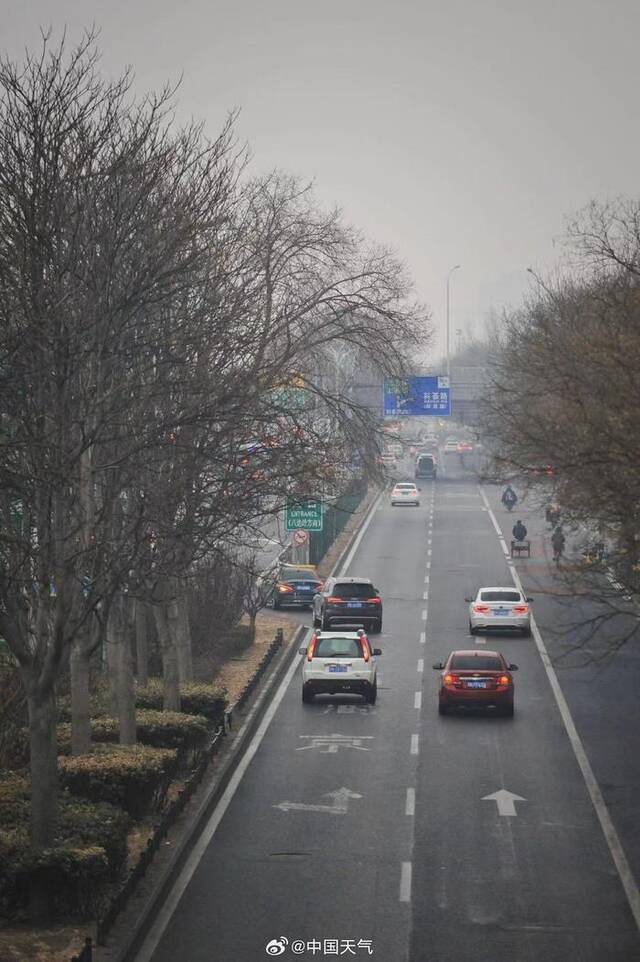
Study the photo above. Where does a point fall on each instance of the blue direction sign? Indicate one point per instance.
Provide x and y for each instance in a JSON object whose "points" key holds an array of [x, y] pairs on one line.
{"points": [[415, 396]]}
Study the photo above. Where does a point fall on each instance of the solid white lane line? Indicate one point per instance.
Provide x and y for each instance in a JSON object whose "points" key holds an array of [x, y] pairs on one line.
{"points": [[611, 836], [410, 806], [423, 637], [414, 744], [156, 931], [356, 544], [417, 700], [405, 882], [420, 665], [424, 615]]}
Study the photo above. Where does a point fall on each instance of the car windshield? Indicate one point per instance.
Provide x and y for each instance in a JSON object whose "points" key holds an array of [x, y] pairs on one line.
{"points": [[427, 459], [357, 590], [500, 596], [337, 648], [297, 574], [476, 663]]}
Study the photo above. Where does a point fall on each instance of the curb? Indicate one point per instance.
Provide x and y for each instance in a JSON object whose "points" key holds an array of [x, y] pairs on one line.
{"points": [[127, 953]]}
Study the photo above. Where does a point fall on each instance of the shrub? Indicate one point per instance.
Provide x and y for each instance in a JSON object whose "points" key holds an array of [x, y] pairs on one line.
{"points": [[75, 877], [161, 729], [135, 777], [80, 823], [196, 698]]}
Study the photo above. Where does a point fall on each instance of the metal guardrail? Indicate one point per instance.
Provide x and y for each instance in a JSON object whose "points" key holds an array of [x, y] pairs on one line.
{"points": [[120, 899]]}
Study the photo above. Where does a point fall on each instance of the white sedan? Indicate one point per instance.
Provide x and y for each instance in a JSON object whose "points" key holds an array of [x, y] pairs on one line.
{"points": [[405, 493], [499, 608]]}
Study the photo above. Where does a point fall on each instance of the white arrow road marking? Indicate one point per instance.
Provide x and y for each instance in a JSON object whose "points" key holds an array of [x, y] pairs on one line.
{"points": [[329, 744], [339, 807], [505, 801]]}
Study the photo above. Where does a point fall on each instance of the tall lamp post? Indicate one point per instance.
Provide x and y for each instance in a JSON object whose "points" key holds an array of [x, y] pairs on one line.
{"points": [[456, 268]]}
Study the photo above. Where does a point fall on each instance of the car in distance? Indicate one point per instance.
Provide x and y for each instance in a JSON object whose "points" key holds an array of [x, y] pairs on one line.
{"points": [[499, 609], [476, 679], [465, 447], [426, 467], [292, 586], [405, 493], [348, 601], [451, 446], [340, 661]]}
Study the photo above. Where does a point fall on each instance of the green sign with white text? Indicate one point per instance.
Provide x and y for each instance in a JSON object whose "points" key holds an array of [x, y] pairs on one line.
{"points": [[305, 515]]}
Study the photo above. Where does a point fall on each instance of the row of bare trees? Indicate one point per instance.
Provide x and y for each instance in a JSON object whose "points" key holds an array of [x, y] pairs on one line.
{"points": [[156, 305], [566, 384]]}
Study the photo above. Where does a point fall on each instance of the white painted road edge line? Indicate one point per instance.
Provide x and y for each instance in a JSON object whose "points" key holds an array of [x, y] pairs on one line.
{"points": [[410, 806], [405, 882], [417, 700], [415, 740], [156, 931], [611, 836], [356, 544]]}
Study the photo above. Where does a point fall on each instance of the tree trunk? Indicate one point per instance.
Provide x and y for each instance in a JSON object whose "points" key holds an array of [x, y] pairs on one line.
{"points": [[142, 644], [80, 708], [44, 766], [171, 694], [122, 669], [113, 657], [183, 634]]}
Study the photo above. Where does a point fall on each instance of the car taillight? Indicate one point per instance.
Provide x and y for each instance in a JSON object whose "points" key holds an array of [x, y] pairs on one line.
{"points": [[450, 680], [285, 588], [377, 601], [365, 649], [520, 609], [503, 680], [332, 600], [311, 648], [481, 609]]}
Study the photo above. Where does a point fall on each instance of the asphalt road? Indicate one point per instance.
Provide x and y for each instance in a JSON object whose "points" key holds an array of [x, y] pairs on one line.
{"points": [[368, 825]]}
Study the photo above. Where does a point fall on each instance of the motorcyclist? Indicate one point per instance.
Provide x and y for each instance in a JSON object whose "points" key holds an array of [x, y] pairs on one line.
{"points": [[509, 497], [558, 540], [519, 531]]}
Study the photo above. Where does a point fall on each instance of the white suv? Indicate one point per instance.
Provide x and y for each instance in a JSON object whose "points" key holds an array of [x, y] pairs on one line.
{"points": [[340, 661]]}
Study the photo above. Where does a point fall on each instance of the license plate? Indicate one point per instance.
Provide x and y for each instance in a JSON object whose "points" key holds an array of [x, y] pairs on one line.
{"points": [[476, 684], [304, 588], [500, 611], [354, 604], [336, 668]]}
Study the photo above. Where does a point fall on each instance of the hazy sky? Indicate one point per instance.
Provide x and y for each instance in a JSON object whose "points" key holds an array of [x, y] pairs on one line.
{"points": [[458, 131]]}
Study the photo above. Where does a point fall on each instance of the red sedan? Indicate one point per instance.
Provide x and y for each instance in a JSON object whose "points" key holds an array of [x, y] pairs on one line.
{"points": [[476, 679]]}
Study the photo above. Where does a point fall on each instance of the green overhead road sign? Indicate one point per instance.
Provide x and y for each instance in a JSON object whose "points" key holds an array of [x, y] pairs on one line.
{"points": [[305, 515]]}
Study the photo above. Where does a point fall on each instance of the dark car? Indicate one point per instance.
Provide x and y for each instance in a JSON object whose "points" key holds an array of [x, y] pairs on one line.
{"points": [[348, 601], [294, 586], [426, 467], [476, 679]]}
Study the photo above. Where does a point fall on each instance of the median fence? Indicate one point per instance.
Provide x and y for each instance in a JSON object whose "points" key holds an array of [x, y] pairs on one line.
{"points": [[176, 807], [336, 517]]}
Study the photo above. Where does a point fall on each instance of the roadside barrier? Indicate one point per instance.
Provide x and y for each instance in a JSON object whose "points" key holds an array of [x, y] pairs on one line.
{"points": [[176, 807]]}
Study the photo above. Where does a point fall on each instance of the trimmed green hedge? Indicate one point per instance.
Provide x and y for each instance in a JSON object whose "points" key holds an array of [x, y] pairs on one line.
{"points": [[196, 698], [80, 823], [90, 848], [135, 777]]}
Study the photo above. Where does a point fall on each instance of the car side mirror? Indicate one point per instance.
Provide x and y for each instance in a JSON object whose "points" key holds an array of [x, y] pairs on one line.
{"points": [[469, 599], [529, 599], [377, 651], [301, 651], [438, 666], [513, 667]]}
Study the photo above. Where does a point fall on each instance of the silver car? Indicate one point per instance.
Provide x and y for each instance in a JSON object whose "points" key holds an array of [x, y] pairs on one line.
{"points": [[499, 609]]}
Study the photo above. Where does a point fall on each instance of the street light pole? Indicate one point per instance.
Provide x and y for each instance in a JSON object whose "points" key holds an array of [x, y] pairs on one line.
{"points": [[456, 268]]}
